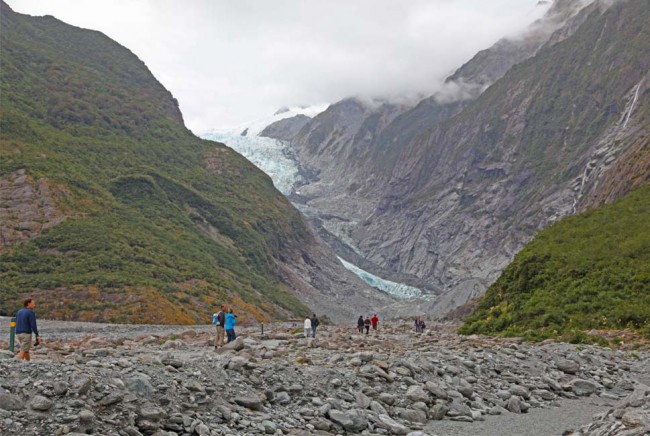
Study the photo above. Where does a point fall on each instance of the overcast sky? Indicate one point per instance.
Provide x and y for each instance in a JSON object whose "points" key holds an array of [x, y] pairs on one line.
{"points": [[228, 62]]}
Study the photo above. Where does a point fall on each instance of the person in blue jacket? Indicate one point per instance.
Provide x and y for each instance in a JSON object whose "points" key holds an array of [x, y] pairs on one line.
{"points": [[230, 325], [25, 326]]}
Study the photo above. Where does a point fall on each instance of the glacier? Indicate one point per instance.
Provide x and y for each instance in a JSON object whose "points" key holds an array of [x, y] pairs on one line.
{"points": [[397, 290], [276, 158], [269, 155]]}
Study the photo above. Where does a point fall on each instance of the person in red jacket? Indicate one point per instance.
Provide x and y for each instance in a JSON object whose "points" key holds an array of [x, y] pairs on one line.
{"points": [[374, 321]]}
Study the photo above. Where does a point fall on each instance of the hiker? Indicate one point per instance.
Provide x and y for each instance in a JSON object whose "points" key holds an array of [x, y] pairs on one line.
{"points": [[231, 320], [307, 327], [422, 326], [417, 324], [366, 324], [25, 326], [360, 324], [375, 321], [314, 323], [219, 320]]}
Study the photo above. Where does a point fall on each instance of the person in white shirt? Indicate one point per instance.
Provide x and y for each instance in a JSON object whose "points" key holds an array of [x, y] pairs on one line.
{"points": [[307, 327]]}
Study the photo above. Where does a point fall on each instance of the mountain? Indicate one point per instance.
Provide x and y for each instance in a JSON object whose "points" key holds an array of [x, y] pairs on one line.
{"points": [[590, 271], [446, 193], [489, 65], [112, 210]]}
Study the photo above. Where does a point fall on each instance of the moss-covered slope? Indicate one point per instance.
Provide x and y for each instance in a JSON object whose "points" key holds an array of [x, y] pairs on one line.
{"points": [[111, 209], [589, 271]]}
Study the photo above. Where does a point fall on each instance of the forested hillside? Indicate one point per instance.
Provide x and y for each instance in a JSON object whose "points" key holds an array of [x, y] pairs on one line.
{"points": [[110, 208], [589, 271]]}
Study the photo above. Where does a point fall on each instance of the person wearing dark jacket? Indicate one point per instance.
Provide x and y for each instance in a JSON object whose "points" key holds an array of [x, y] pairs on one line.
{"points": [[366, 324], [25, 326], [360, 324], [219, 320], [314, 324]]}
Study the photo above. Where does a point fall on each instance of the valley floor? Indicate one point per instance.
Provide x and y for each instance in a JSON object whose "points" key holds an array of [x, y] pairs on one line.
{"points": [[169, 380]]}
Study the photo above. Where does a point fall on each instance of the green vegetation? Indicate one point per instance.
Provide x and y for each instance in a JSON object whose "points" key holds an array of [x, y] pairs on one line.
{"points": [[158, 225], [590, 271]]}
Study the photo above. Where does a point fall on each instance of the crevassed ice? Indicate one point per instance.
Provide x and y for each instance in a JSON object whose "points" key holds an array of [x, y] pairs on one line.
{"points": [[398, 290], [269, 155]]}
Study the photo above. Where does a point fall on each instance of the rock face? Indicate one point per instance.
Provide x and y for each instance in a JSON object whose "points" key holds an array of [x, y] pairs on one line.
{"points": [[95, 379], [446, 193], [28, 207], [285, 129]]}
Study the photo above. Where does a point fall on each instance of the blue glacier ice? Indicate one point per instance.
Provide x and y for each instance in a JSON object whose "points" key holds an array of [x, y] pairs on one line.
{"points": [[397, 290], [269, 155]]}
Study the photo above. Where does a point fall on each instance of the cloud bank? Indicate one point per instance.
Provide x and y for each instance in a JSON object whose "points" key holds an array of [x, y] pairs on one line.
{"points": [[228, 62]]}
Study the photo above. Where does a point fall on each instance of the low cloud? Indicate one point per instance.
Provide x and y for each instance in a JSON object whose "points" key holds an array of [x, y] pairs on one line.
{"points": [[229, 62]]}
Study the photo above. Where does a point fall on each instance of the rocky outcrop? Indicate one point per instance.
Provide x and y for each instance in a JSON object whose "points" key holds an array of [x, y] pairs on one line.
{"points": [[285, 129], [27, 207], [621, 159]]}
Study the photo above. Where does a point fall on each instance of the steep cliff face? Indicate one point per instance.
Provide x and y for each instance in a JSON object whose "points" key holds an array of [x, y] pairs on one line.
{"points": [[285, 129], [446, 193], [111, 210], [464, 198]]}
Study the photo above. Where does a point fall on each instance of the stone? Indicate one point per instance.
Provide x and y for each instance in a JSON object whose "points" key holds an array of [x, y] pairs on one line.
{"points": [[514, 404], [436, 390], [41, 403], [249, 402], [111, 399], [60, 387], [139, 384], [350, 420], [269, 427], [86, 416], [583, 388], [438, 412], [411, 415], [568, 366], [416, 393], [11, 402], [393, 426]]}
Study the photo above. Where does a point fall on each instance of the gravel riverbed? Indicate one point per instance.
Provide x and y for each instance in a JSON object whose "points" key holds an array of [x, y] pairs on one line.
{"points": [[170, 380]]}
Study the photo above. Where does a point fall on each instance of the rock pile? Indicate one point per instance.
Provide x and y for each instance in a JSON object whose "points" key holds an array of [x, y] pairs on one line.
{"points": [[391, 382]]}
